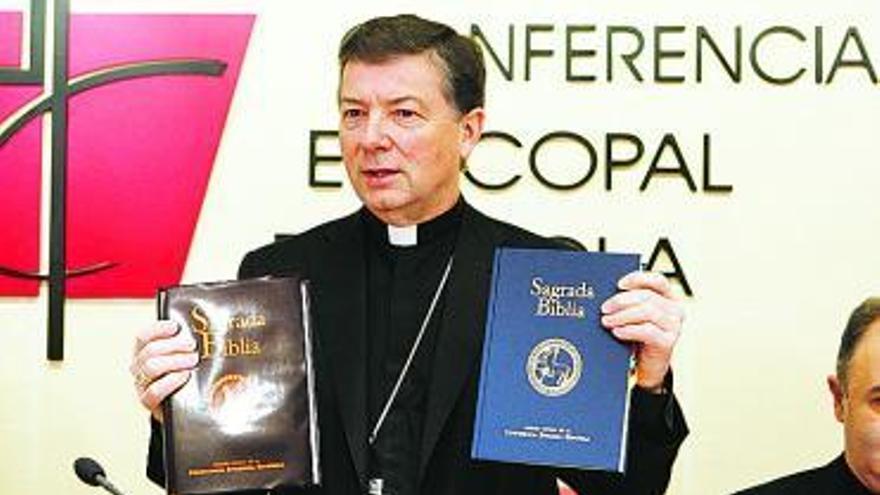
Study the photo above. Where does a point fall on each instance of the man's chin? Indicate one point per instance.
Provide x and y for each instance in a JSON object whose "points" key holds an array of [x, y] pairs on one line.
{"points": [[871, 479], [385, 202], [386, 205]]}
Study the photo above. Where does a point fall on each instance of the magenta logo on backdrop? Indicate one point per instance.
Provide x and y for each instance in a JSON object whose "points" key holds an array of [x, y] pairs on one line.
{"points": [[138, 104]]}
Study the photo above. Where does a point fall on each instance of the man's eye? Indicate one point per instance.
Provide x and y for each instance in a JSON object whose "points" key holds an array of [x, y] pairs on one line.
{"points": [[352, 113], [405, 113]]}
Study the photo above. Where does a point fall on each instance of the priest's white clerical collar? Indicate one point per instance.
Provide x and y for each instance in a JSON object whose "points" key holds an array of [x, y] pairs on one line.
{"points": [[403, 236], [441, 228]]}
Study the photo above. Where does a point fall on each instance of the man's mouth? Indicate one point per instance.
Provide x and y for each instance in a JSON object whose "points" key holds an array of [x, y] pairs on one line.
{"points": [[379, 173]]}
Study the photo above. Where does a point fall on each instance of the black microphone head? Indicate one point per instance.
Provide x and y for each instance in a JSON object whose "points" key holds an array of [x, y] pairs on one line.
{"points": [[88, 470]]}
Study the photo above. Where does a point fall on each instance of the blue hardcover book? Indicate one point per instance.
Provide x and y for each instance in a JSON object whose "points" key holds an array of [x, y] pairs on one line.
{"points": [[555, 384]]}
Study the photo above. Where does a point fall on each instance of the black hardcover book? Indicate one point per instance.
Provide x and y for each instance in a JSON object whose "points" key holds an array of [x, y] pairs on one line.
{"points": [[246, 419]]}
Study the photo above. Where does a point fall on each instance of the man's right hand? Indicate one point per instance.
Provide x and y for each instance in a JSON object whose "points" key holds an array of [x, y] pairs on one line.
{"points": [[161, 363]]}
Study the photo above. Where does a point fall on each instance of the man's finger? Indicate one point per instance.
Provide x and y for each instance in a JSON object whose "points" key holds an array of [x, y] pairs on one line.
{"points": [[645, 334], [658, 312], [182, 342], [153, 395], [647, 280], [626, 299], [157, 366], [158, 330]]}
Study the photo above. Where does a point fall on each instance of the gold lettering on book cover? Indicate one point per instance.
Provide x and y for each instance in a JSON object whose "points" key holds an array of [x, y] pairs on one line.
{"points": [[235, 341]]}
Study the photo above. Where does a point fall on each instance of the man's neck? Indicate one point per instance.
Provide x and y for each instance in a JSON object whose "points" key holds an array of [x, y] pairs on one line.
{"points": [[408, 217]]}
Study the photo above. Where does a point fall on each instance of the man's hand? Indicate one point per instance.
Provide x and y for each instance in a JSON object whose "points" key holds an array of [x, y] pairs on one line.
{"points": [[649, 315], [161, 363]]}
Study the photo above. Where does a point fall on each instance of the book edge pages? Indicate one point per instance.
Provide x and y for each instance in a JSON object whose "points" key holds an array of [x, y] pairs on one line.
{"points": [[624, 438], [314, 433]]}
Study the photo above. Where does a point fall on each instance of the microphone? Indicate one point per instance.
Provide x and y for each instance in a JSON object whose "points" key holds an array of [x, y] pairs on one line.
{"points": [[90, 472]]}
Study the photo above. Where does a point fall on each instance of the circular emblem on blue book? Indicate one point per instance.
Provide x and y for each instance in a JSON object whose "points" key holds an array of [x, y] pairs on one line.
{"points": [[554, 367]]}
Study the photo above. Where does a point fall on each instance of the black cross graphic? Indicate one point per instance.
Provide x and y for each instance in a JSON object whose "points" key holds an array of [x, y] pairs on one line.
{"points": [[56, 103]]}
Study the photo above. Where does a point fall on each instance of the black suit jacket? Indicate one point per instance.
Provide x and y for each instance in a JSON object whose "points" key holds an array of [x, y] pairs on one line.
{"points": [[835, 478], [331, 256]]}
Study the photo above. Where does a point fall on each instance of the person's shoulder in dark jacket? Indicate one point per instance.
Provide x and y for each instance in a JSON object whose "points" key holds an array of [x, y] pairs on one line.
{"points": [[290, 252], [793, 484], [513, 235], [834, 478]]}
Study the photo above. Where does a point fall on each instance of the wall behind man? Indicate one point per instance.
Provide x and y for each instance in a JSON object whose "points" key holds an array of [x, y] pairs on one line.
{"points": [[774, 264]]}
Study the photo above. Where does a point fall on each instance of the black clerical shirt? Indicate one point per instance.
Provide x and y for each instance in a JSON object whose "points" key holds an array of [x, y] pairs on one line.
{"points": [[835, 478], [401, 282]]}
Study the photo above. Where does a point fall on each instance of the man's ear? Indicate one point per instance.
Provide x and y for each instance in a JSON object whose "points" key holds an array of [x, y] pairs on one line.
{"points": [[837, 392], [471, 131]]}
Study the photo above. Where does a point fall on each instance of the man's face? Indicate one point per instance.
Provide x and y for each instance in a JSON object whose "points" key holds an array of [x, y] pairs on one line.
{"points": [[858, 408], [402, 141]]}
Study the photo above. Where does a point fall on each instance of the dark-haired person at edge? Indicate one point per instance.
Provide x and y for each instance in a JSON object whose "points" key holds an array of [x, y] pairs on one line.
{"points": [[410, 99], [856, 391]]}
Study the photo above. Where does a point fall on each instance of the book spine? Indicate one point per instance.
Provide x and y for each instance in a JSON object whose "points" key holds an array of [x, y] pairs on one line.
{"points": [[167, 416], [487, 349]]}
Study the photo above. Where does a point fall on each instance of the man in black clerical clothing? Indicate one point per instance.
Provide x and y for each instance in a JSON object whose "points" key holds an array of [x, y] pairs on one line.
{"points": [[856, 392], [400, 289]]}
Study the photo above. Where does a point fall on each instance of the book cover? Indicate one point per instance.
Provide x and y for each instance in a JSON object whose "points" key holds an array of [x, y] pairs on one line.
{"points": [[246, 419], [555, 384]]}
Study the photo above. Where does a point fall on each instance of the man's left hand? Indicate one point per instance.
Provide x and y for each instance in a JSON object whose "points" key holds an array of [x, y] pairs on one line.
{"points": [[648, 314]]}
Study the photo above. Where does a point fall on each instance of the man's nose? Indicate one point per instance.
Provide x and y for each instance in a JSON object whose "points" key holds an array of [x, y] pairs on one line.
{"points": [[376, 132]]}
